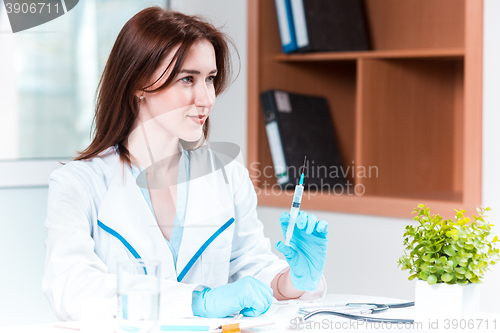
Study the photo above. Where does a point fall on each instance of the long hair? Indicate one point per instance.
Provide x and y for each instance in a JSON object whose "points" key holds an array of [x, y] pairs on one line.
{"points": [[141, 46]]}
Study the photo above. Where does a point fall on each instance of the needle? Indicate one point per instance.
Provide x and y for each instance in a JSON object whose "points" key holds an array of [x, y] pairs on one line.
{"points": [[304, 166]]}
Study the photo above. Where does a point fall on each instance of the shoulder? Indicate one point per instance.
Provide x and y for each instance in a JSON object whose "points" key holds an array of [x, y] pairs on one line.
{"points": [[94, 171]]}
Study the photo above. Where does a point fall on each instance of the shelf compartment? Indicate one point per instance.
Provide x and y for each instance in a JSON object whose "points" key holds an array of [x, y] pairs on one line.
{"points": [[334, 80], [416, 24], [411, 125]]}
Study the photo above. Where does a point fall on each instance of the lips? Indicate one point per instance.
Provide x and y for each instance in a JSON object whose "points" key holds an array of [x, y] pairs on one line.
{"points": [[199, 119]]}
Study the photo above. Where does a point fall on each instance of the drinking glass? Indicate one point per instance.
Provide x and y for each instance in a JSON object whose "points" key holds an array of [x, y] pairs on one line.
{"points": [[138, 295]]}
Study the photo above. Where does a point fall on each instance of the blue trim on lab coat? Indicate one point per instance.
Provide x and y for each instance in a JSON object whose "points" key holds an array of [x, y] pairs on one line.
{"points": [[121, 239], [190, 263], [203, 248]]}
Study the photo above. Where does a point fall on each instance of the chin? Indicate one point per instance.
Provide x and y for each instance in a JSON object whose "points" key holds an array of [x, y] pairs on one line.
{"points": [[194, 137]]}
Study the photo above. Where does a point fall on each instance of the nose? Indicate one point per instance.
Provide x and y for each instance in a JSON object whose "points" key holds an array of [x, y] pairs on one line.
{"points": [[204, 96]]}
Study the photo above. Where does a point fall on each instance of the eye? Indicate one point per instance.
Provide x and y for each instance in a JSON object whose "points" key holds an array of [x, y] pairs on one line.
{"points": [[211, 79], [187, 79]]}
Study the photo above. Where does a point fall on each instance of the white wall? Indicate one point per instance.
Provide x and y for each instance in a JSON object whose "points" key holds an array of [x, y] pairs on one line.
{"points": [[22, 212], [363, 250], [491, 138]]}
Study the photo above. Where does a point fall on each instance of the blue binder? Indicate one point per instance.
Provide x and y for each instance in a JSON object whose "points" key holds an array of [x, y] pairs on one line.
{"points": [[286, 25]]}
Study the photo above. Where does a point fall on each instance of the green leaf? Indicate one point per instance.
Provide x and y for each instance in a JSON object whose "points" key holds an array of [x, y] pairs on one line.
{"points": [[449, 250], [446, 277], [432, 279]]}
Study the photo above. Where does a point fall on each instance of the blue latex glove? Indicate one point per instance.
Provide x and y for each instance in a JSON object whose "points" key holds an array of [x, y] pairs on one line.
{"points": [[306, 254], [248, 294]]}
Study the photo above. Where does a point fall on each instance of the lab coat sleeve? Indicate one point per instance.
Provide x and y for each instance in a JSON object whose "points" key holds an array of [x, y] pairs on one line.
{"points": [[251, 253], [74, 274]]}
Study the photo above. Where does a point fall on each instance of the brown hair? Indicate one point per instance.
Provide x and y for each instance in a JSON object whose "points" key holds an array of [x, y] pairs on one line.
{"points": [[141, 46]]}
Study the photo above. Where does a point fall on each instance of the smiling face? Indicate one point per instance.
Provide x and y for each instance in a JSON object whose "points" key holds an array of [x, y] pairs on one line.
{"points": [[184, 105]]}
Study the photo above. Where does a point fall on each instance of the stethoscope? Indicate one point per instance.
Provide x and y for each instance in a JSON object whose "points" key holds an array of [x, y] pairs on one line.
{"points": [[353, 310]]}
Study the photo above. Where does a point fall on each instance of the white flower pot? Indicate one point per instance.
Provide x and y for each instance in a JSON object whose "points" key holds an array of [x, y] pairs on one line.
{"points": [[444, 301]]}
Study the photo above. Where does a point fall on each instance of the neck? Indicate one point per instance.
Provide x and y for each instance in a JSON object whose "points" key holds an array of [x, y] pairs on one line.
{"points": [[149, 143]]}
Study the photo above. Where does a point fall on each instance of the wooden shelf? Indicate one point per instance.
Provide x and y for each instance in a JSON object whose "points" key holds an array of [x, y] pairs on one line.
{"points": [[451, 53], [366, 204], [411, 107]]}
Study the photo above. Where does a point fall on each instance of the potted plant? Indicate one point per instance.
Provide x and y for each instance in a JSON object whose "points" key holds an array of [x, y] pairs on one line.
{"points": [[449, 259]]}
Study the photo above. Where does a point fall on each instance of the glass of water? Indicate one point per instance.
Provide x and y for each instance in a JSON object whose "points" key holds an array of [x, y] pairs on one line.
{"points": [[138, 295]]}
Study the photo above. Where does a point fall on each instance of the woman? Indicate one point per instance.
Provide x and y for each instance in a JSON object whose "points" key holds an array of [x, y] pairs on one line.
{"points": [[155, 96]]}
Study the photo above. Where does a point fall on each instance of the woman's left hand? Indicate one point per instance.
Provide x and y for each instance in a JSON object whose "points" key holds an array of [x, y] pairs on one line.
{"points": [[306, 254]]}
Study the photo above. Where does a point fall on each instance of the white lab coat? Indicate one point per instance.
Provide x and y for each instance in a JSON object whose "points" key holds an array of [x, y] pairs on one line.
{"points": [[82, 257]]}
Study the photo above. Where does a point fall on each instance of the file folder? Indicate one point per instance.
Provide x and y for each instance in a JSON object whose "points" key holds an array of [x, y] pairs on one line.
{"points": [[329, 25], [285, 24], [299, 125]]}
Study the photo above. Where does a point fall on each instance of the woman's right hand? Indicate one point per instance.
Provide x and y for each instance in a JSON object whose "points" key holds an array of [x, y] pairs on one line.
{"points": [[248, 294]]}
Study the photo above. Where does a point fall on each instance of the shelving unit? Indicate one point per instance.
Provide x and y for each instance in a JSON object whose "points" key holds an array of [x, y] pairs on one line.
{"points": [[410, 109]]}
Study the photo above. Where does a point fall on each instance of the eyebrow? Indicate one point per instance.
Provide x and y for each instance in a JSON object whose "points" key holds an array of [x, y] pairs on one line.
{"points": [[192, 71]]}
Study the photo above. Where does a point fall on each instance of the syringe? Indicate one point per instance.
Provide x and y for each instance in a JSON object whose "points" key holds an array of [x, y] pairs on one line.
{"points": [[294, 211]]}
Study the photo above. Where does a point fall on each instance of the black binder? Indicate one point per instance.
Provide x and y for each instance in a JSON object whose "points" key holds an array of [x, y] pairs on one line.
{"points": [[300, 125], [330, 25]]}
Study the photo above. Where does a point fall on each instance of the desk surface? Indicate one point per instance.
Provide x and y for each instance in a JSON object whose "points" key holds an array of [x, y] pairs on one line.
{"points": [[283, 313]]}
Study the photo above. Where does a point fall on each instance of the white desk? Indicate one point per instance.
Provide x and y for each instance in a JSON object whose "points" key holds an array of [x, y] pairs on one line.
{"points": [[282, 313]]}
